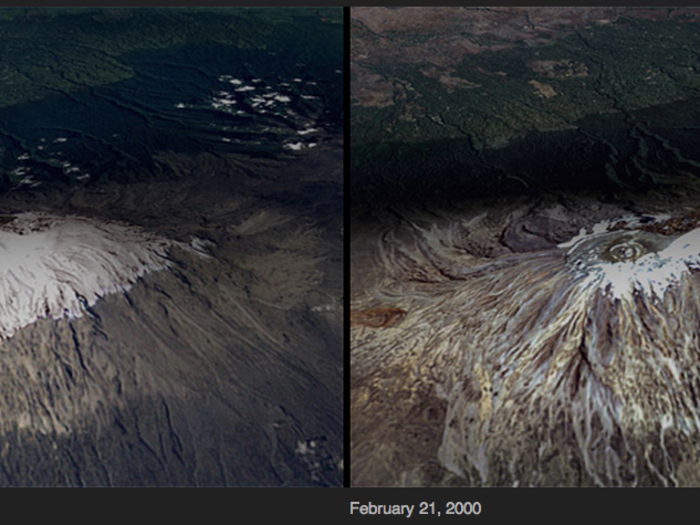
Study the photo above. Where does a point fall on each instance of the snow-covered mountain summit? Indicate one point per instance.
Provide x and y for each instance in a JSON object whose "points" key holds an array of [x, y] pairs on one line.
{"points": [[53, 266]]}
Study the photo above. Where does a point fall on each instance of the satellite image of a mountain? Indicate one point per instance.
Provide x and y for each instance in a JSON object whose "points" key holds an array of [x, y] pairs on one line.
{"points": [[171, 247], [525, 247]]}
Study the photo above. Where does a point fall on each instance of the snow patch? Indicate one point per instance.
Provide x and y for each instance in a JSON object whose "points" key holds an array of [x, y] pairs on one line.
{"points": [[652, 273], [52, 266]]}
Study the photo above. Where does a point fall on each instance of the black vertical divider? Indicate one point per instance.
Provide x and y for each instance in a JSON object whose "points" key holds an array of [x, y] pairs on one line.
{"points": [[346, 242]]}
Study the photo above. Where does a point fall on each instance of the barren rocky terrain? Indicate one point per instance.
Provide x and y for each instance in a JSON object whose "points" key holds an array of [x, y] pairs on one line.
{"points": [[222, 369]]}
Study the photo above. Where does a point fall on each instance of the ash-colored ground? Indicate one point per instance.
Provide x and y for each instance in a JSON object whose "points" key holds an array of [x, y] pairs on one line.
{"points": [[221, 368]]}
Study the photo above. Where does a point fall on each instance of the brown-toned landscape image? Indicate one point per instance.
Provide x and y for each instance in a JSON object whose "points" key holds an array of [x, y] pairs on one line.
{"points": [[525, 246]]}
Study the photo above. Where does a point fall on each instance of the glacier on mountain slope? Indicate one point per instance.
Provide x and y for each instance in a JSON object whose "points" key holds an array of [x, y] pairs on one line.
{"points": [[53, 266]]}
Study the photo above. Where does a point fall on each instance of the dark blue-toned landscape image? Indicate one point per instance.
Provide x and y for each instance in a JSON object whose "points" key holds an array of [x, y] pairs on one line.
{"points": [[171, 247]]}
